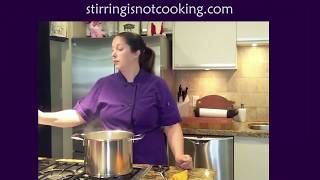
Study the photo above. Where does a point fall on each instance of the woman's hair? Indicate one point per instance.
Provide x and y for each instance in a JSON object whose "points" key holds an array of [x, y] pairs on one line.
{"points": [[147, 55]]}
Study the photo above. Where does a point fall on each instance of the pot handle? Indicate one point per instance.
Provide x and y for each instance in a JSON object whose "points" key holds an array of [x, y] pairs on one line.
{"points": [[137, 137], [78, 137]]}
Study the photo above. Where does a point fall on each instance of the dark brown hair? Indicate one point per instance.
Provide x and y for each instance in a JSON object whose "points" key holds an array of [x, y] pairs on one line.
{"points": [[147, 55]]}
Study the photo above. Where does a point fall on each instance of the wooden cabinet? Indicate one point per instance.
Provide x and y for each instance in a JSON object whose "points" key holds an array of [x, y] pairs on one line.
{"points": [[204, 45], [251, 158], [252, 31]]}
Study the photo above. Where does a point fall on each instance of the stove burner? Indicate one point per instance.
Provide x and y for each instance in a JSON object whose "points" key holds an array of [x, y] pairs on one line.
{"points": [[56, 174], [123, 177], [54, 170]]}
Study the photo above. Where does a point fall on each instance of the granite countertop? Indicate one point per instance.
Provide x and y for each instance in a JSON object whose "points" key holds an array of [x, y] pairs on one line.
{"points": [[220, 127]]}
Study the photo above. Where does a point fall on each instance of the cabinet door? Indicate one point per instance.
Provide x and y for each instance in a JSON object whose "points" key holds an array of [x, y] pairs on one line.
{"points": [[204, 45], [251, 158], [253, 31]]}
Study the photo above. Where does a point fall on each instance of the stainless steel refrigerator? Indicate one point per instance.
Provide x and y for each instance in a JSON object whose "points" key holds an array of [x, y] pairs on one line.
{"points": [[91, 60]]}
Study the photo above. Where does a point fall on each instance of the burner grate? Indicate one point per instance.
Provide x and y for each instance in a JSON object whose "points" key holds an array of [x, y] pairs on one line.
{"points": [[57, 174], [51, 170], [84, 176]]}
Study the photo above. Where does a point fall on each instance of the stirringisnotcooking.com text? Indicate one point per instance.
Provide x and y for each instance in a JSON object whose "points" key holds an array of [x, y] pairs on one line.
{"points": [[178, 9]]}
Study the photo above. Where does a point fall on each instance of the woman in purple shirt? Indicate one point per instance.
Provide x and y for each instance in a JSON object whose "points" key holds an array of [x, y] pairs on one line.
{"points": [[134, 99]]}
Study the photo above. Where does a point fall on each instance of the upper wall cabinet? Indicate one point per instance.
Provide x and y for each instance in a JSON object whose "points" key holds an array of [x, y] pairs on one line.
{"points": [[249, 32], [204, 45]]}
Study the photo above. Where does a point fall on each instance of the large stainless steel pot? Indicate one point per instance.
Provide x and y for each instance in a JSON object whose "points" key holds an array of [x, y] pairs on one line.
{"points": [[107, 153]]}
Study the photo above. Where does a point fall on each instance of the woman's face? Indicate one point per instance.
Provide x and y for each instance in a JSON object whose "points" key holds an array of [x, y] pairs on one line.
{"points": [[122, 56]]}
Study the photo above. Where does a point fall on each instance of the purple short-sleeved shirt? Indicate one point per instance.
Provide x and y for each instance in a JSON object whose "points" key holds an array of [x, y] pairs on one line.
{"points": [[141, 107]]}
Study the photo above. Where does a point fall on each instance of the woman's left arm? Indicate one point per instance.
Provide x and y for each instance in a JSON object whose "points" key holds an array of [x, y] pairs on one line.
{"points": [[175, 140]]}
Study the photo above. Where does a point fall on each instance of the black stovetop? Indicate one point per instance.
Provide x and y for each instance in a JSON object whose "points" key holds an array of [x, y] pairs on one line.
{"points": [[58, 170]]}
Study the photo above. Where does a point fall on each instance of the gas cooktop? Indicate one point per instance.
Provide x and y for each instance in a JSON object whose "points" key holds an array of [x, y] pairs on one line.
{"points": [[69, 169]]}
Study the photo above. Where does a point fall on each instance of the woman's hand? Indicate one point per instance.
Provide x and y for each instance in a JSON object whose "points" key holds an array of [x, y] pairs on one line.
{"points": [[183, 161]]}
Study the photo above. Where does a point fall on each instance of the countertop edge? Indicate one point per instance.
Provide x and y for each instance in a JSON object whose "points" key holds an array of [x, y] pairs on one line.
{"points": [[261, 134], [223, 127]]}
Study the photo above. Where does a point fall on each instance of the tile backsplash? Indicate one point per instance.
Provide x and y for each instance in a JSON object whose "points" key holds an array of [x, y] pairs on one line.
{"points": [[248, 85]]}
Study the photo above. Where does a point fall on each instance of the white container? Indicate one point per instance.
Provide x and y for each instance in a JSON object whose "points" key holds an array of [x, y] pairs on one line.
{"points": [[242, 113]]}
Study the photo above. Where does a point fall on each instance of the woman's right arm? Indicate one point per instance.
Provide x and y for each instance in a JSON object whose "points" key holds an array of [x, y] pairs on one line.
{"points": [[65, 118]]}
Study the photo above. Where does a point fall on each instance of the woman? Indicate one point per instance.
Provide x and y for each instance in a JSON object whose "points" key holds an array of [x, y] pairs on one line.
{"points": [[134, 99]]}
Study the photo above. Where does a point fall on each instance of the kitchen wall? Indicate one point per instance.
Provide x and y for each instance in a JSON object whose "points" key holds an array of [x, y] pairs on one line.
{"points": [[248, 85]]}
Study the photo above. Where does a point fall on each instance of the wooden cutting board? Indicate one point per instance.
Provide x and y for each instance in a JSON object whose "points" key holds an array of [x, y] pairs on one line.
{"points": [[214, 102], [211, 102], [207, 123]]}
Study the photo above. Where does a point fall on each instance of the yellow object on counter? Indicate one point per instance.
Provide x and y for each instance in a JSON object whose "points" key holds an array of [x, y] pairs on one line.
{"points": [[183, 175]]}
